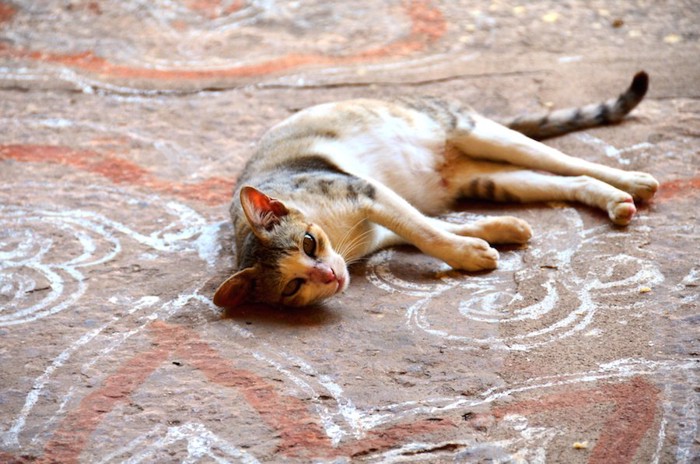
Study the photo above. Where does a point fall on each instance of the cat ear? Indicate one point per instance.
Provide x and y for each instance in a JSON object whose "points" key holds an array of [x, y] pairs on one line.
{"points": [[263, 213], [236, 289]]}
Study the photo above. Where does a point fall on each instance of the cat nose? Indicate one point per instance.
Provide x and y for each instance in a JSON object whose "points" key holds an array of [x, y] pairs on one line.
{"points": [[323, 274]]}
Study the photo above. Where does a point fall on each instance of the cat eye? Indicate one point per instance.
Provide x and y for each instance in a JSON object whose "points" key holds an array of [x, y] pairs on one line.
{"points": [[309, 245], [292, 287]]}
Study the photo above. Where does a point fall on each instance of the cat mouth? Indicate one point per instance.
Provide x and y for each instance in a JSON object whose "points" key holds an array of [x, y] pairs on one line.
{"points": [[341, 285]]}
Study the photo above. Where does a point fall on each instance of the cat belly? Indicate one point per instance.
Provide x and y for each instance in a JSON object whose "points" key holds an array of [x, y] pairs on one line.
{"points": [[405, 157]]}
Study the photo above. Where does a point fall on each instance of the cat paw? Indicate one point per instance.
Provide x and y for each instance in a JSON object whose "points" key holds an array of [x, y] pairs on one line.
{"points": [[506, 229], [473, 254], [622, 210], [640, 185]]}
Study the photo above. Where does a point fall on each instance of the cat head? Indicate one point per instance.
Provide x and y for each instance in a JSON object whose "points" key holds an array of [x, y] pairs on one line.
{"points": [[286, 260]]}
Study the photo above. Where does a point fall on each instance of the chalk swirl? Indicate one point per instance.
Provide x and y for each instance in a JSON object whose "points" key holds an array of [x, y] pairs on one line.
{"points": [[521, 305], [45, 251]]}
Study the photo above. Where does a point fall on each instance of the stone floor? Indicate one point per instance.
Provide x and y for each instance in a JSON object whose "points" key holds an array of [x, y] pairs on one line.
{"points": [[123, 127]]}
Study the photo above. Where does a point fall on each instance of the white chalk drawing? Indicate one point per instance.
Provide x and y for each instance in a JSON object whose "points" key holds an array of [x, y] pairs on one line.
{"points": [[342, 419], [46, 251], [491, 302], [202, 51], [610, 151], [346, 421], [169, 151], [202, 444], [487, 302], [11, 437], [681, 410], [528, 444], [35, 283]]}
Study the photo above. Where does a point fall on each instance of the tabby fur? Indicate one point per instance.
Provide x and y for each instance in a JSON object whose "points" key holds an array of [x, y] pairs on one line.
{"points": [[338, 181]]}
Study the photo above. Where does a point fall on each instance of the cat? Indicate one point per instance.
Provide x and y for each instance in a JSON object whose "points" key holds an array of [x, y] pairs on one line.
{"points": [[338, 181]]}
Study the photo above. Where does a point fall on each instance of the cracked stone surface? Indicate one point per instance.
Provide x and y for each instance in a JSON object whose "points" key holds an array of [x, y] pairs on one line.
{"points": [[124, 126]]}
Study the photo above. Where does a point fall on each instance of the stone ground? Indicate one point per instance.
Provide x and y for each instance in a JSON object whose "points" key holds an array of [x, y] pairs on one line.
{"points": [[124, 125]]}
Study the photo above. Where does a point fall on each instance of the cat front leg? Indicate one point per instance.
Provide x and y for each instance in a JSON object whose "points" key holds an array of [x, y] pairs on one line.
{"points": [[499, 230], [388, 209]]}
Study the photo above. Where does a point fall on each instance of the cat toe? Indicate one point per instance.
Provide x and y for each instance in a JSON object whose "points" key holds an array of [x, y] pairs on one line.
{"points": [[501, 230], [474, 255], [489, 259], [510, 230], [521, 232], [622, 211], [482, 261], [642, 186]]}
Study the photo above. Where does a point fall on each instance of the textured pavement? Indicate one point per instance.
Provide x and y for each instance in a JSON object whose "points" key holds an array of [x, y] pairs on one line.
{"points": [[123, 127]]}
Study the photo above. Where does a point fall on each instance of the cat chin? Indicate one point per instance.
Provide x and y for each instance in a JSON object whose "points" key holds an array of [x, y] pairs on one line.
{"points": [[343, 283], [341, 286]]}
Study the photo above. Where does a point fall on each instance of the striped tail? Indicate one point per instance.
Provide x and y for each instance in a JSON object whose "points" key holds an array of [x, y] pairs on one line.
{"points": [[559, 122]]}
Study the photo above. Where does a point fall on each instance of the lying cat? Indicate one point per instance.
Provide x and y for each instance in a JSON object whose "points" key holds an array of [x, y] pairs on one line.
{"points": [[338, 181]]}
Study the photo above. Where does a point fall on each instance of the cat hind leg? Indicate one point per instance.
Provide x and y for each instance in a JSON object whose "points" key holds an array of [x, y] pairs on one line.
{"points": [[490, 141], [640, 185], [530, 186]]}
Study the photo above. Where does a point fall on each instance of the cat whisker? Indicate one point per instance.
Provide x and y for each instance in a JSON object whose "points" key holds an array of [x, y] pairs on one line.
{"points": [[344, 247], [298, 160], [348, 233], [347, 246], [357, 260], [356, 243]]}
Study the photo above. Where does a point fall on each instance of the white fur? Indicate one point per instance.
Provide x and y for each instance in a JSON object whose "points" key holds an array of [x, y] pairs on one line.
{"points": [[405, 155], [414, 169]]}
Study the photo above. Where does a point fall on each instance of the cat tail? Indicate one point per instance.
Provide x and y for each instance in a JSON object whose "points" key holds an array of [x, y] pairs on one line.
{"points": [[559, 122]]}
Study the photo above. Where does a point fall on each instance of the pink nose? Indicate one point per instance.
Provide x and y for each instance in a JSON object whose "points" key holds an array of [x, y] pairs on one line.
{"points": [[322, 273]]}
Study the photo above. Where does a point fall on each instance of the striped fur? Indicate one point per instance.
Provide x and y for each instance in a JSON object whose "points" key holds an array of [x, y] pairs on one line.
{"points": [[559, 122], [336, 182]]}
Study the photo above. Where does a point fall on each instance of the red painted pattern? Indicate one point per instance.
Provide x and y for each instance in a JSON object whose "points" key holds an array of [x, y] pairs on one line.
{"points": [[296, 428], [678, 188], [212, 191], [635, 405], [298, 432], [213, 9], [7, 12], [427, 25], [74, 432]]}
